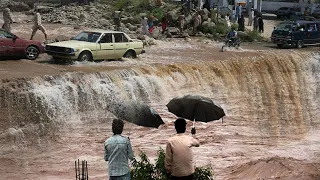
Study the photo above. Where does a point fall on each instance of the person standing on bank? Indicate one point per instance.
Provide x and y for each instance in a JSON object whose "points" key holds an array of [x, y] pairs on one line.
{"points": [[238, 12], [251, 16], [117, 19], [260, 24], [178, 157], [117, 151], [7, 18], [38, 26]]}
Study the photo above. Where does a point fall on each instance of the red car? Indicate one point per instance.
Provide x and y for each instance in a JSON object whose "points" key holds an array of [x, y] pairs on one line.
{"points": [[12, 45]]}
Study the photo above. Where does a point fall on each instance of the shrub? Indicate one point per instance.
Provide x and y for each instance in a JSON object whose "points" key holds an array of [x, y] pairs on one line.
{"points": [[142, 5], [143, 169], [253, 36], [120, 4], [158, 13], [160, 170], [203, 173], [222, 28]]}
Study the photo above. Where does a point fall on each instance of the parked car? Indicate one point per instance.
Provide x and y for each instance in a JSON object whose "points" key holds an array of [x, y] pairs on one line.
{"points": [[288, 11], [282, 12], [11, 45], [316, 12], [95, 45], [296, 33]]}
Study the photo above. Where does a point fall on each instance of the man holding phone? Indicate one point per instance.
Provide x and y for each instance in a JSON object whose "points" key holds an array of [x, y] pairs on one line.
{"points": [[179, 157]]}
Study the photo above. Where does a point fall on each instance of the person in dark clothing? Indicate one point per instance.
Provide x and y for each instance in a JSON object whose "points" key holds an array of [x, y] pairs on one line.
{"points": [[260, 24], [164, 23], [255, 23], [241, 23]]}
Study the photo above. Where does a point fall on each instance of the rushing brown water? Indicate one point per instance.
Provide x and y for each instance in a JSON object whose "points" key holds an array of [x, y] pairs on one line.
{"points": [[271, 99]]}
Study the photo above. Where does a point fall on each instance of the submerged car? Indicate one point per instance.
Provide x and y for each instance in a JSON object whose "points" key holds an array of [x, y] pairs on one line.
{"points": [[296, 33], [11, 45], [96, 45]]}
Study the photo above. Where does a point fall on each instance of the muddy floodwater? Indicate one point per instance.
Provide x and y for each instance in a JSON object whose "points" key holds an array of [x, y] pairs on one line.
{"points": [[53, 114]]}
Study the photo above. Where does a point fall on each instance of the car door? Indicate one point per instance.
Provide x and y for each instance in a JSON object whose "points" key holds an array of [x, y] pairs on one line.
{"points": [[105, 47], [6, 40], [14, 46], [3, 48], [121, 44], [317, 34], [311, 34]]}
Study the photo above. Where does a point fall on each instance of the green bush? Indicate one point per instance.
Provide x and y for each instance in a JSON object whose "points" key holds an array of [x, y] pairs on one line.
{"points": [[120, 4], [253, 35], [143, 169], [158, 13], [142, 5], [203, 173], [222, 28]]}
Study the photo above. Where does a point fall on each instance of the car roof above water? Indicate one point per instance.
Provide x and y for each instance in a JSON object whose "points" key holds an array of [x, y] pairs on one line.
{"points": [[102, 31], [300, 22]]}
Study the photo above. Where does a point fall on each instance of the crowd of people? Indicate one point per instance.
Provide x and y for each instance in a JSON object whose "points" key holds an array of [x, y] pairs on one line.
{"points": [[148, 22], [8, 21], [254, 19], [178, 157]]}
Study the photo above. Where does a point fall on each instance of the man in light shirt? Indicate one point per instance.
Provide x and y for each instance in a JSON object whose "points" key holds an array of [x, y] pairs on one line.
{"points": [[117, 151], [7, 19], [179, 157], [38, 26]]}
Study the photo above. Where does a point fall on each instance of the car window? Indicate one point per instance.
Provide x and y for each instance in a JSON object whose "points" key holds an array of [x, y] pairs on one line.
{"points": [[4, 34], [312, 27], [106, 38], [284, 27], [119, 37], [87, 36], [283, 8]]}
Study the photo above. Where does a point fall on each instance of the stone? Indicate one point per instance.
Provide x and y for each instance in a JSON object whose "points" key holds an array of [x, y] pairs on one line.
{"points": [[73, 17], [155, 33], [132, 27], [139, 31], [104, 22], [142, 15], [126, 20], [173, 30], [188, 20], [18, 6], [141, 37], [151, 41], [242, 35], [169, 35], [44, 9], [184, 35], [208, 24]]}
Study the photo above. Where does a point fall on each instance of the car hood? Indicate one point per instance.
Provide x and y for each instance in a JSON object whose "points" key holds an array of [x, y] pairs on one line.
{"points": [[31, 41], [71, 44], [280, 32]]}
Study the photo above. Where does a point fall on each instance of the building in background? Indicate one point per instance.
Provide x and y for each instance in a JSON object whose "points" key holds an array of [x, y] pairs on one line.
{"points": [[273, 5]]}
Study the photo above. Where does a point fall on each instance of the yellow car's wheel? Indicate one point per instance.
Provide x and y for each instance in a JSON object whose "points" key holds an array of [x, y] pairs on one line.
{"points": [[130, 54], [85, 56]]}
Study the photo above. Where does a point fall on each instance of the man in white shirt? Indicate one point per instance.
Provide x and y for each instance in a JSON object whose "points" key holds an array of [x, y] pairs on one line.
{"points": [[38, 26], [7, 18], [179, 157]]}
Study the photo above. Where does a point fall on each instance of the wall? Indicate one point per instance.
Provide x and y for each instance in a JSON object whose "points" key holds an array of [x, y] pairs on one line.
{"points": [[268, 6]]}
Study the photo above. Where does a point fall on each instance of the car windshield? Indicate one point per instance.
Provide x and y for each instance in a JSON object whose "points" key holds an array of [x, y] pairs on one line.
{"points": [[285, 27], [4, 34], [87, 36]]}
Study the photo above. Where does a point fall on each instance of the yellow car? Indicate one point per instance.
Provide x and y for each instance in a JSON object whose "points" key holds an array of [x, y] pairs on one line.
{"points": [[96, 45]]}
